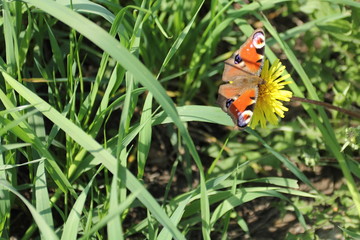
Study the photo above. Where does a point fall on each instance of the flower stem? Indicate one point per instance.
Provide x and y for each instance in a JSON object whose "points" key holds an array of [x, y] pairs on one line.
{"points": [[355, 114]]}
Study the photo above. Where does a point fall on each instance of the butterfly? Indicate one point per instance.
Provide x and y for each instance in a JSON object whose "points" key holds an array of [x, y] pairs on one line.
{"points": [[237, 97]]}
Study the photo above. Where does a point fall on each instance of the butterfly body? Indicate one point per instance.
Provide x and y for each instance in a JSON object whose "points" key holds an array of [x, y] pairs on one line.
{"points": [[241, 75]]}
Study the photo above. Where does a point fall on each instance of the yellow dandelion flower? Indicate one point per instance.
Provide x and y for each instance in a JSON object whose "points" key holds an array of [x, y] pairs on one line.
{"points": [[268, 105]]}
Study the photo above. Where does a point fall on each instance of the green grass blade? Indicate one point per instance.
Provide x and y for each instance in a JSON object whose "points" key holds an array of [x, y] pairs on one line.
{"points": [[10, 45], [96, 150], [176, 45], [291, 166], [44, 228], [216, 115], [352, 234], [246, 195], [5, 204], [293, 32], [197, 113], [26, 133], [127, 60], [42, 196], [142, 74], [345, 2], [85, 6], [10, 166], [114, 228], [17, 121], [13, 146], [324, 125], [57, 52], [114, 213], [25, 41], [73, 221], [175, 217], [126, 114], [144, 135]]}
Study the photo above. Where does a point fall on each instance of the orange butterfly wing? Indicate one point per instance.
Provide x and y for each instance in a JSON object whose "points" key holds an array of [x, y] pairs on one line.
{"points": [[241, 72]]}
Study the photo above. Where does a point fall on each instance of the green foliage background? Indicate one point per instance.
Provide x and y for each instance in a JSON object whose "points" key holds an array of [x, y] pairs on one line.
{"points": [[93, 92]]}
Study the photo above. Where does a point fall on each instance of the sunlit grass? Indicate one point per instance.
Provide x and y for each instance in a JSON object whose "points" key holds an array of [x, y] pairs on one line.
{"points": [[83, 94]]}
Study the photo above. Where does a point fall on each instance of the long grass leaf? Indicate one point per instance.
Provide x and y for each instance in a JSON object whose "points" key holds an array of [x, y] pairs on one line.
{"points": [[44, 228], [95, 149], [114, 228], [142, 74], [179, 40], [56, 50], [324, 125], [144, 135], [5, 204], [26, 133], [85, 6], [114, 213], [72, 223], [9, 166], [42, 196], [175, 217]]}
